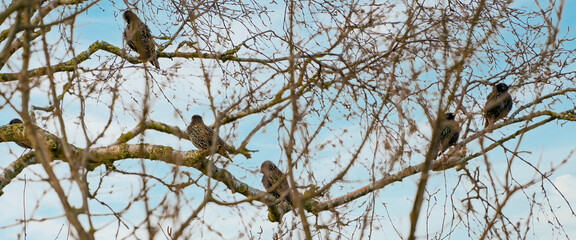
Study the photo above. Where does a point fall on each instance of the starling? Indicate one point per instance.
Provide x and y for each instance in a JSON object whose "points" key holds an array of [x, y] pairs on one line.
{"points": [[139, 38], [498, 104], [449, 132], [271, 176], [202, 136], [20, 143]]}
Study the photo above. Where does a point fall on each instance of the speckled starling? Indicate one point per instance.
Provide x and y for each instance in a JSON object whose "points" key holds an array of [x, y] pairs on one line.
{"points": [[20, 143], [449, 132], [202, 136], [498, 104], [271, 176], [139, 38]]}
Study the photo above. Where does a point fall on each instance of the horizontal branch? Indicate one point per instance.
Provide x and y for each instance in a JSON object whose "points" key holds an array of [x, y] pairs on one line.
{"points": [[197, 159], [161, 127], [108, 155], [71, 64]]}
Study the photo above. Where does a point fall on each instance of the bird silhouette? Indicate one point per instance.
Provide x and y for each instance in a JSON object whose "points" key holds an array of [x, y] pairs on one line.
{"points": [[449, 132], [271, 177], [498, 104], [202, 136], [139, 38]]}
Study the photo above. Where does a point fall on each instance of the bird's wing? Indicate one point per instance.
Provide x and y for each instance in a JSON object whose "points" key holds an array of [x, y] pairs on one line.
{"points": [[147, 40], [275, 174], [506, 102], [219, 141], [128, 36], [266, 182], [208, 133], [454, 138], [492, 94], [446, 130]]}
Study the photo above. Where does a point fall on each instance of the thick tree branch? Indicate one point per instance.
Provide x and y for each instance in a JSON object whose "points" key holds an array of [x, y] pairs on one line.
{"points": [[197, 159], [161, 127], [108, 155]]}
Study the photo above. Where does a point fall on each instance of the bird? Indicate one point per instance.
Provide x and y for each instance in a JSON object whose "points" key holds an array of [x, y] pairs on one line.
{"points": [[449, 132], [202, 136], [271, 177], [139, 38], [20, 143], [498, 104]]}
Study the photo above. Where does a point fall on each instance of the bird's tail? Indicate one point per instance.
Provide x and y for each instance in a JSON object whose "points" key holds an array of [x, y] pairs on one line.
{"points": [[155, 62]]}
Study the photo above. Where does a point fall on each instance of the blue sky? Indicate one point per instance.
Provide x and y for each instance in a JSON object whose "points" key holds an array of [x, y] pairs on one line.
{"points": [[547, 146]]}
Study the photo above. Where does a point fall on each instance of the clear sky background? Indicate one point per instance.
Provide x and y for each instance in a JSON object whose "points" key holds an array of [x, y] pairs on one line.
{"points": [[546, 146]]}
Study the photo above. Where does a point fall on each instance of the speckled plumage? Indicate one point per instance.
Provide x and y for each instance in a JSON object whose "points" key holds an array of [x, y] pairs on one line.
{"points": [[271, 176], [202, 136], [20, 143], [139, 38], [498, 104], [449, 132]]}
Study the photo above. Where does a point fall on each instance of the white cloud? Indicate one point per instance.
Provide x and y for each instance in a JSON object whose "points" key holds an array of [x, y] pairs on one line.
{"points": [[565, 183]]}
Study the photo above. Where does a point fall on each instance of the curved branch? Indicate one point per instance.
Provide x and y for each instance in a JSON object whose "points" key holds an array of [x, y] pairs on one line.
{"points": [[158, 126], [15, 168], [454, 160]]}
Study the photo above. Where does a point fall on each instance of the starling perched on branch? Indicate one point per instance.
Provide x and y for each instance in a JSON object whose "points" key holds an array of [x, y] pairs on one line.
{"points": [[139, 38], [498, 104], [20, 143], [271, 177], [202, 136], [449, 132]]}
